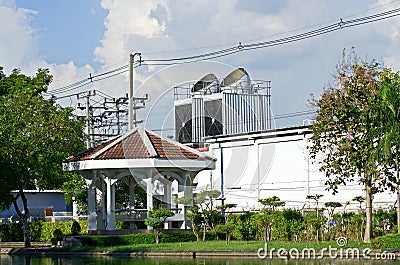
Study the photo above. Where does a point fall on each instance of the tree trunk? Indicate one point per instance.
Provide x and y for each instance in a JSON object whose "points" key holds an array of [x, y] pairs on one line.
{"points": [[25, 231], [398, 210], [398, 198], [157, 237], [195, 230], [368, 212], [23, 217], [204, 232], [266, 234]]}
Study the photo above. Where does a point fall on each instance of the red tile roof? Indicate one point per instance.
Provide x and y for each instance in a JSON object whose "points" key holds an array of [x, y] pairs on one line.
{"points": [[129, 148], [167, 149], [86, 154], [138, 144]]}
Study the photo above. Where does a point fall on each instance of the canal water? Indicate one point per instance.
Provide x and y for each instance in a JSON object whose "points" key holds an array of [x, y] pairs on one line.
{"points": [[23, 260]]}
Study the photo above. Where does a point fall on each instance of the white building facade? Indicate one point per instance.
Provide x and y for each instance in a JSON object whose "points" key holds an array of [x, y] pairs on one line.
{"points": [[276, 162]]}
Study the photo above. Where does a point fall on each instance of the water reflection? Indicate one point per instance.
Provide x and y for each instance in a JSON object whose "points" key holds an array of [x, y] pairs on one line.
{"points": [[25, 260]]}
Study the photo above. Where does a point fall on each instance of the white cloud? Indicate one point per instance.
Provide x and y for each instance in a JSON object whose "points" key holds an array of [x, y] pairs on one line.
{"points": [[125, 19], [17, 44], [19, 49]]}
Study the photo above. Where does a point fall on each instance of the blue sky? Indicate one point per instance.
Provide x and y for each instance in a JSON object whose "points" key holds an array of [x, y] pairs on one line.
{"points": [[74, 26], [75, 38]]}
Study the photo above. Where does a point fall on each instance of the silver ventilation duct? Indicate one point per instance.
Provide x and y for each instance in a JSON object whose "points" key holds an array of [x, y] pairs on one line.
{"points": [[208, 84], [238, 79]]}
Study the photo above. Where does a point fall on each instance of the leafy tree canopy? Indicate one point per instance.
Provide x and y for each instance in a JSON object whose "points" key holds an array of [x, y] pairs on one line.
{"points": [[36, 135], [355, 136], [272, 202], [17, 81]]}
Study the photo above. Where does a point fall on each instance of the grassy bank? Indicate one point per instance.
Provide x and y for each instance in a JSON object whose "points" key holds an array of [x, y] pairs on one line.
{"points": [[220, 245]]}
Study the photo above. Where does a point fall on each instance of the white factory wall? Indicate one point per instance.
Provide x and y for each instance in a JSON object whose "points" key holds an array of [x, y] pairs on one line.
{"points": [[261, 165]]}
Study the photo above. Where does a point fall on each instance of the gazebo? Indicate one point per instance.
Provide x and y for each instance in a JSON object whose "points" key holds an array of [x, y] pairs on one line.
{"points": [[136, 157]]}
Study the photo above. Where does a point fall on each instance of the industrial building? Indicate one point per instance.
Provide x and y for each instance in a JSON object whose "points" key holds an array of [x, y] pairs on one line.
{"points": [[231, 121]]}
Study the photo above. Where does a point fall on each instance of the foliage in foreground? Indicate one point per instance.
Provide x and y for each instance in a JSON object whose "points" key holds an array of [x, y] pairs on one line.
{"points": [[388, 241], [132, 239], [41, 231]]}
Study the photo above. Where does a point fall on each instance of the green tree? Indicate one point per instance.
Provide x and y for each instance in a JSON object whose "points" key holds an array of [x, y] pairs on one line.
{"points": [[204, 214], [226, 229], [331, 208], [247, 225], [36, 135], [224, 207], [205, 200], [75, 189], [360, 200], [197, 220], [272, 202], [344, 136], [314, 225], [292, 224], [17, 82], [157, 219], [387, 118], [194, 214], [268, 215]]}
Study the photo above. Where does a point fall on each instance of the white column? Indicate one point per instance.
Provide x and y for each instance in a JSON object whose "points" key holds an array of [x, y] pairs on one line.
{"points": [[101, 202], [92, 206], [187, 192], [110, 204], [149, 192], [167, 195], [167, 198], [74, 209], [132, 186]]}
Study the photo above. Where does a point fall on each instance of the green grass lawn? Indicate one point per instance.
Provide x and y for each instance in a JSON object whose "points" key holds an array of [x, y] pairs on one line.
{"points": [[220, 245]]}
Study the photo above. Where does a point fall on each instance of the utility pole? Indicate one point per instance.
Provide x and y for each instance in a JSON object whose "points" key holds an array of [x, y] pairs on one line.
{"points": [[117, 118], [88, 142], [87, 107], [118, 103], [138, 103], [131, 103]]}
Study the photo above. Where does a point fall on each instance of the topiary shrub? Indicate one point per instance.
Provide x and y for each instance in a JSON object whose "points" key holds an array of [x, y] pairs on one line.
{"points": [[57, 236], [75, 228]]}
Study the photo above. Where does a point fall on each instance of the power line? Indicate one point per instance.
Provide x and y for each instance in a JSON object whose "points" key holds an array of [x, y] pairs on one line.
{"points": [[271, 35], [232, 50], [309, 34], [91, 79]]}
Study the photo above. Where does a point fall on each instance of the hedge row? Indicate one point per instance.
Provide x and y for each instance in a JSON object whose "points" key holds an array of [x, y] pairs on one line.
{"points": [[11, 232], [131, 239], [40, 231]]}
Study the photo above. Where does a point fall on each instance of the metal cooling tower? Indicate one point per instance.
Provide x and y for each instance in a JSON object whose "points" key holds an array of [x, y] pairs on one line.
{"points": [[231, 107]]}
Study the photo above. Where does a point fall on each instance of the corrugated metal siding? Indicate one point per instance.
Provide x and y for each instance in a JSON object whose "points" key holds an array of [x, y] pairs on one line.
{"points": [[245, 113], [197, 119]]}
